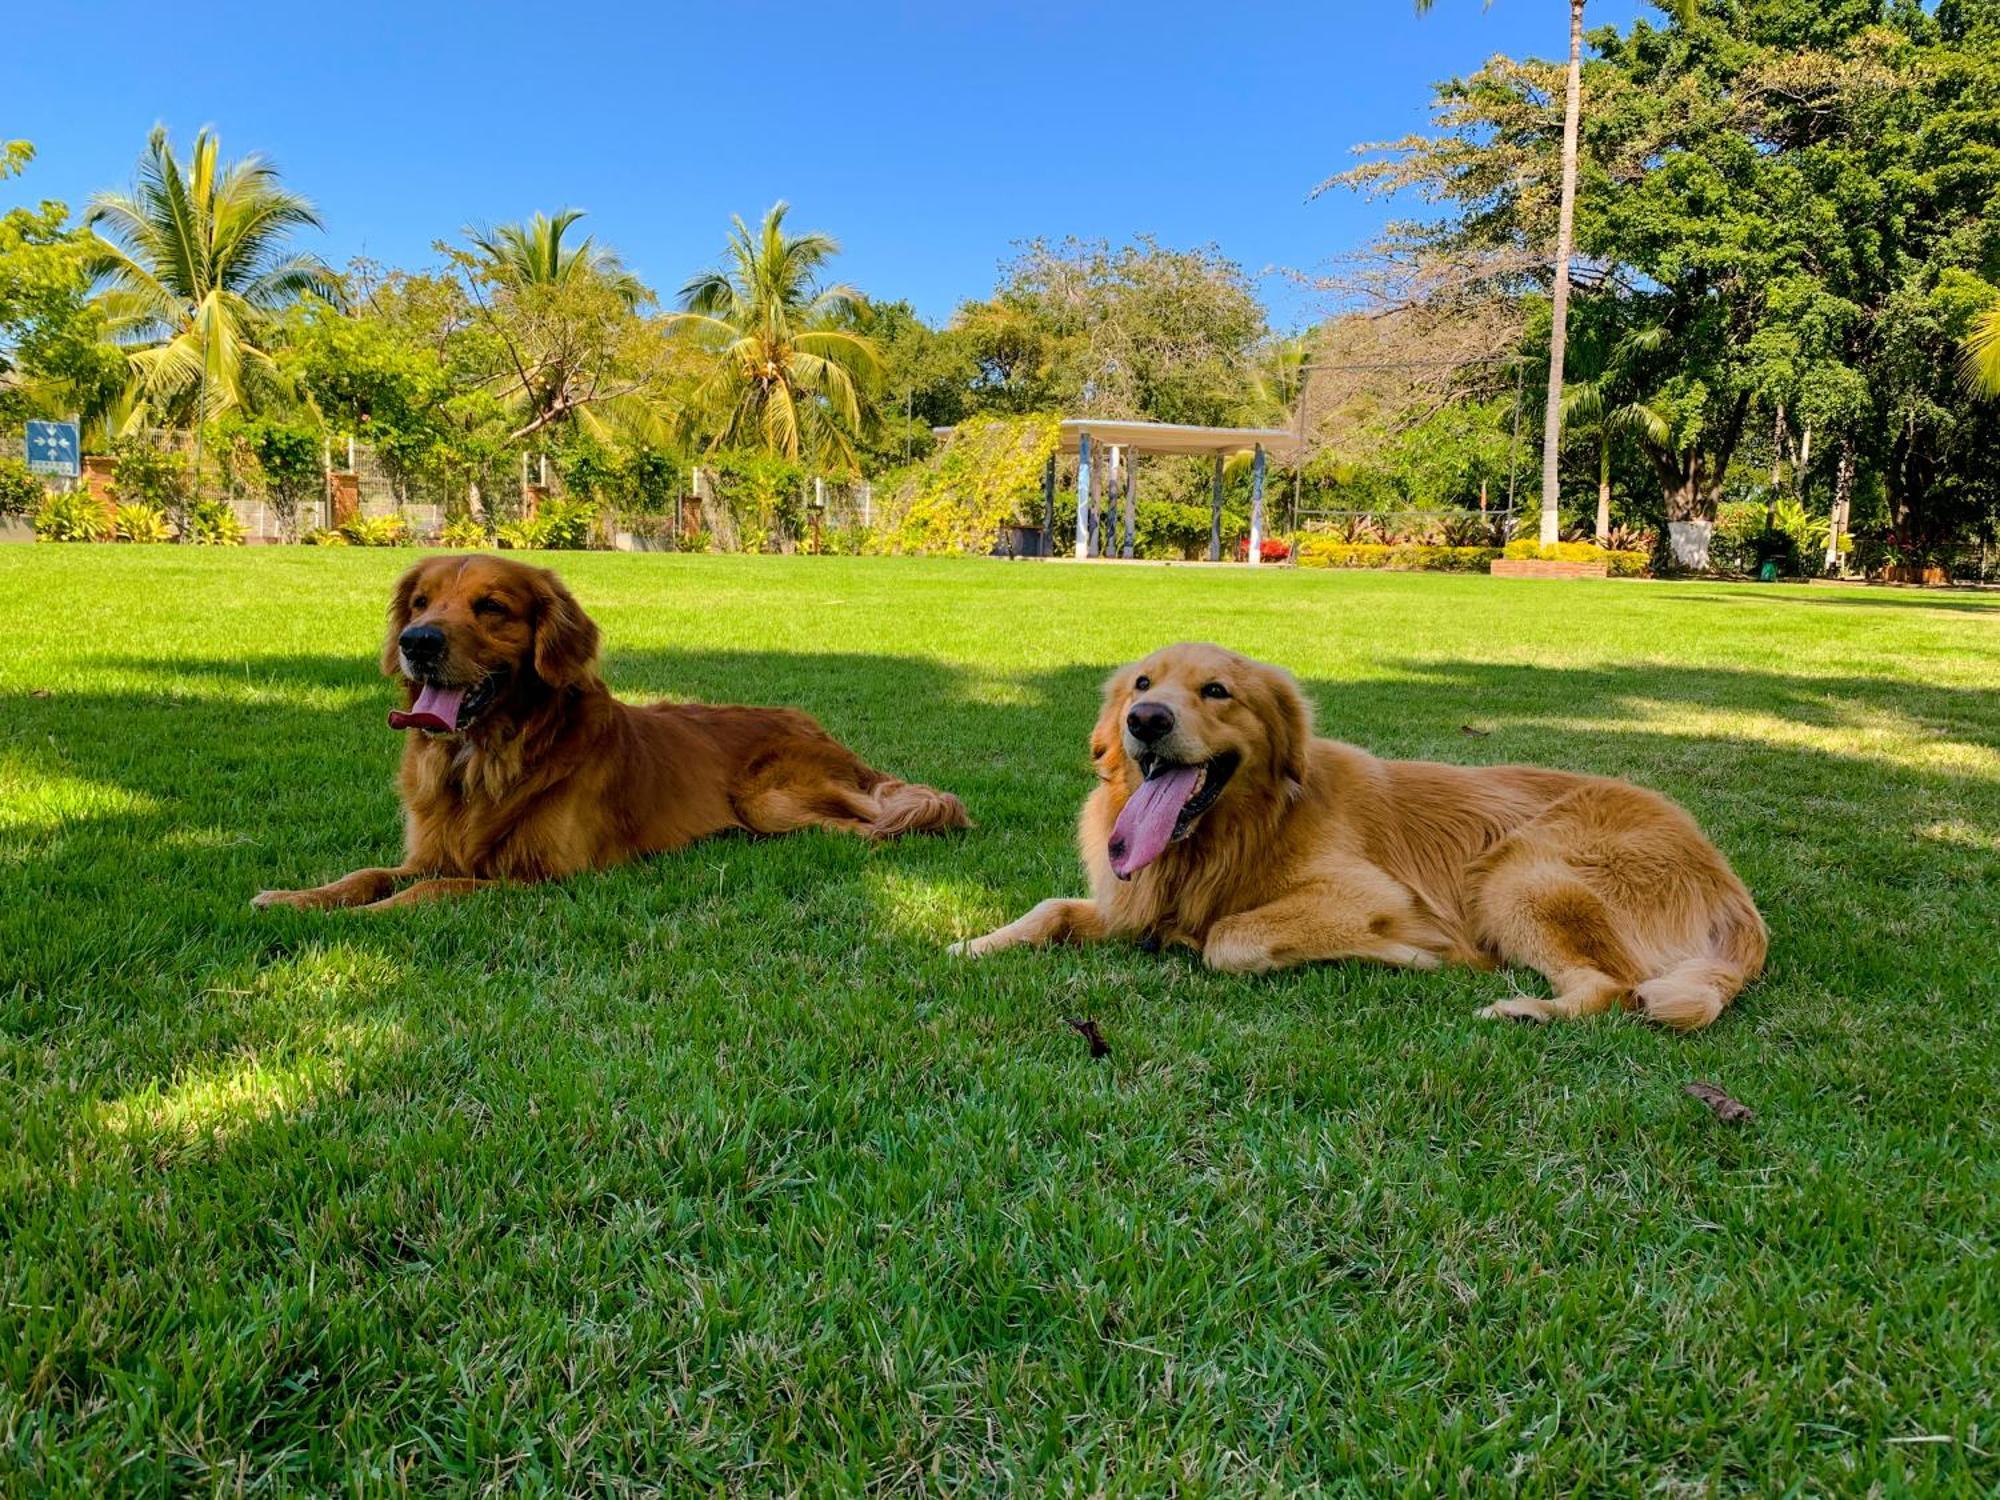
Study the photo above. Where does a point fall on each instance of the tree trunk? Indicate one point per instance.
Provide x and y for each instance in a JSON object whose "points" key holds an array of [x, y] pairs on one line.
{"points": [[1843, 491], [1559, 312], [1603, 487], [1691, 485], [1683, 482], [1777, 459]]}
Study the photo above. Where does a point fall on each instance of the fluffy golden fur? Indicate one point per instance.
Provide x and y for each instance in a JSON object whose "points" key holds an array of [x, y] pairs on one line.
{"points": [[1312, 849], [545, 773]]}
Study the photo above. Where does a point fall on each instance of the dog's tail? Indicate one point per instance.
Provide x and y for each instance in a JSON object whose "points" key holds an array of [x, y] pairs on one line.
{"points": [[906, 807], [1693, 992]]}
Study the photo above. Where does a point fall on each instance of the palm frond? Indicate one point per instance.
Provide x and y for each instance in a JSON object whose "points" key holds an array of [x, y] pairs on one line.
{"points": [[1979, 361]]}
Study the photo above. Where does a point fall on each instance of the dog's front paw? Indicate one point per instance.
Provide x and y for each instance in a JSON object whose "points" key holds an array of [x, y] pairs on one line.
{"points": [[1535, 1011], [264, 900]]}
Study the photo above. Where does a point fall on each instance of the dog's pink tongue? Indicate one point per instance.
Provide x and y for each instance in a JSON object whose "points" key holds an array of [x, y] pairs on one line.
{"points": [[435, 708], [1146, 825]]}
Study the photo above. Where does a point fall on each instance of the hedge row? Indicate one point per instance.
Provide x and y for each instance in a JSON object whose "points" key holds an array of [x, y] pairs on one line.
{"points": [[1314, 552], [1320, 552]]}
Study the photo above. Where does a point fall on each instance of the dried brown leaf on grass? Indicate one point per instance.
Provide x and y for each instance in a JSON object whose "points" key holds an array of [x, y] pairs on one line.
{"points": [[1729, 1111]]}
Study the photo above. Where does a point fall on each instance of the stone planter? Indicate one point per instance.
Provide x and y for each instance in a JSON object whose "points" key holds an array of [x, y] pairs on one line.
{"points": [[16, 529], [1535, 567], [632, 541], [1911, 573], [1689, 541]]}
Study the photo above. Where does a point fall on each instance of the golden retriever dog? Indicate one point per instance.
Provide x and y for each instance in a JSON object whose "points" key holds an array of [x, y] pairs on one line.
{"points": [[521, 766], [1222, 823]]}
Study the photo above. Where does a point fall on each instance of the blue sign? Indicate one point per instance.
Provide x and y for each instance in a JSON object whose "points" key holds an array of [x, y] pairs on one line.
{"points": [[53, 448]]}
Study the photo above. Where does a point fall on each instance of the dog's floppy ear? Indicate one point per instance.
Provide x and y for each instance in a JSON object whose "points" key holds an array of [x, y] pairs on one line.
{"points": [[399, 619], [1107, 744], [565, 637], [1287, 720]]}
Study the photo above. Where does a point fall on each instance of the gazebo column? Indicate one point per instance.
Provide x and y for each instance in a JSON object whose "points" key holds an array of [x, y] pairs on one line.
{"points": [[1048, 547], [1131, 497], [1101, 486], [1256, 506], [1083, 457], [1215, 515]]}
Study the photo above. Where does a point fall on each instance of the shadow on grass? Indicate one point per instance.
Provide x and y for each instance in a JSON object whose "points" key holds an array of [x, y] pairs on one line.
{"points": [[1885, 600]]}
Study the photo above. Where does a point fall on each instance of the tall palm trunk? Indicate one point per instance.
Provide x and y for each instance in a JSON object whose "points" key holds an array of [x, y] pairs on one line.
{"points": [[1559, 329]]}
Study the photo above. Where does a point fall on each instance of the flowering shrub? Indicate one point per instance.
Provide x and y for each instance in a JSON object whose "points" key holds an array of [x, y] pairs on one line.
{"points": [[1272, 550], [1317, 552], [987, 476]]}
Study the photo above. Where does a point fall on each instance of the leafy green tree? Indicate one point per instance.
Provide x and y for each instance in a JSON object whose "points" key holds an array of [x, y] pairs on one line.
{"points": [[788, 377], [194, 262], [412, 372], [53, 355], [1136, 331], [1786, 190], [927, 381]]}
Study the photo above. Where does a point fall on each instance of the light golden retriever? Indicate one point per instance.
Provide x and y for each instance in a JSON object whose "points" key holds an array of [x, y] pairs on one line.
{"points": [[1221, 823], [519, 764]]}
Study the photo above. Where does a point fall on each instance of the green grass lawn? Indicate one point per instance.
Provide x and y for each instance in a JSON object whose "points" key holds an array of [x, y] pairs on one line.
{"points": [[716, 1171]]}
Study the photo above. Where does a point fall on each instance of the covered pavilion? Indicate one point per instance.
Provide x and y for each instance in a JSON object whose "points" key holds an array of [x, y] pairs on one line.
{"points": [[1107, 477], [1120, 445]]}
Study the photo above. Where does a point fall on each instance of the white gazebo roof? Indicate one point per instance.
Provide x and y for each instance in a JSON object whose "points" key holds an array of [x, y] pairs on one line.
{"points": [[1170, 437], [1176, 437]]}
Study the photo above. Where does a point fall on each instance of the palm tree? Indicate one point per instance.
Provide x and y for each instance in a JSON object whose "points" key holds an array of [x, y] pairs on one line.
{"points": [[1606, 399], [192, 263], [1981, 362], [787, 379], [1277, 380], [563, 313], [1559, 312], [534, 255]]}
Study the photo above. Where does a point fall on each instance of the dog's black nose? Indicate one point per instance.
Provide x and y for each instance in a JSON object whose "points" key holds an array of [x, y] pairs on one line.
{"points": [[422, 645], [1150, 722]]}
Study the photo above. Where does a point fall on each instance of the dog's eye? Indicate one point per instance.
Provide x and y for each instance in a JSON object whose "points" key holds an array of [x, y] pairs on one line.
{"points": [[1143, 683], [420, 602], [1214, 690], [489, 607]]}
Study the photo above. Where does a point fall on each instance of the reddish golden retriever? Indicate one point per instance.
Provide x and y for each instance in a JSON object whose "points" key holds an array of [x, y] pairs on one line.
{"points": [[1221, 823], [521, 766]]}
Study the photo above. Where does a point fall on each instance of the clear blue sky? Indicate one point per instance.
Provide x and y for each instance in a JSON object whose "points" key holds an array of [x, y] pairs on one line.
{"points": [[927, 137]]}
